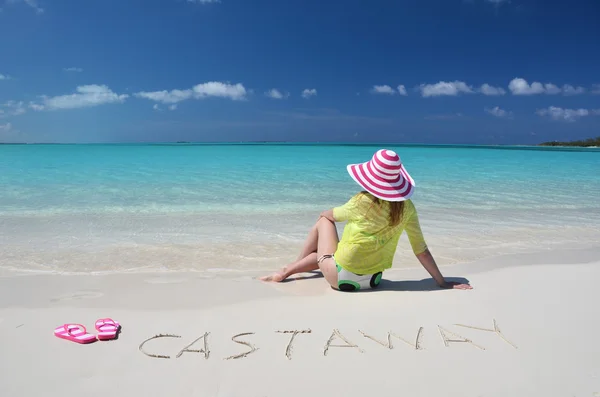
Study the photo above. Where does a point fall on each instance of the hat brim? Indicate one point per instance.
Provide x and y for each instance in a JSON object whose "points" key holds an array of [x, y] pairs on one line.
{"points": [[399, 190]]}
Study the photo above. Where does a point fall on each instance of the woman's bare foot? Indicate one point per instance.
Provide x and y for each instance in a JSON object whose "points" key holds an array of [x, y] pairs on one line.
{"points": [[275, 277]]}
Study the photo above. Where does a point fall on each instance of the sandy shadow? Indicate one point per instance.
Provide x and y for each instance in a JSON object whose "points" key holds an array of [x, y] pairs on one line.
{"points": [[118, 332], [304, 276], [427, 284]]}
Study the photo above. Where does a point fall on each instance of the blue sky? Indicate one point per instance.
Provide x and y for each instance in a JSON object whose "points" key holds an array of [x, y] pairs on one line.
{"points": [[414, 71]]}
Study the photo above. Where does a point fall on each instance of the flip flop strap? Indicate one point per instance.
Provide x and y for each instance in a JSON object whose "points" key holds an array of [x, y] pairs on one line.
{"points": [[107, 321], [70, 327]]}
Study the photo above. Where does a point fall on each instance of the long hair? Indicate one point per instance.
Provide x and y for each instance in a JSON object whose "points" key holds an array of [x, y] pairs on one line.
{"points": [[396, 207]]}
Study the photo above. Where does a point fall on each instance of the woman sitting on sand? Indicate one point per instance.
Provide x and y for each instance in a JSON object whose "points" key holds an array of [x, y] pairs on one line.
{"points": [[375, 219]]}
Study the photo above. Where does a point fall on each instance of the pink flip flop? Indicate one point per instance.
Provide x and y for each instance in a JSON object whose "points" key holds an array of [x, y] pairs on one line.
{"points": [[107, 328], [75, 333]]}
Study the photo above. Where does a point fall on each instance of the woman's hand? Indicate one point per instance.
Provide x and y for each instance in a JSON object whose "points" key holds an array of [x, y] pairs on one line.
{"points": [[429, 264], [455, 285]]}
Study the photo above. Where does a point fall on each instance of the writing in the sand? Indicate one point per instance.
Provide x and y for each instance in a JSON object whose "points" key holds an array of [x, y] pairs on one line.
{"points": [[447, 338]]}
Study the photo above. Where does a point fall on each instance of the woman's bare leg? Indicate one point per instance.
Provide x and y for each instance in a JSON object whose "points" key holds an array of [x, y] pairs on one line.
{"points": [[306, 264], [310, 244], [327, 245], [323, 239]]}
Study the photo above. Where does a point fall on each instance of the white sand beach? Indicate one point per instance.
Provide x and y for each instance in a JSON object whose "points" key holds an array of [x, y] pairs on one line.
{"points": [[543, 304]]}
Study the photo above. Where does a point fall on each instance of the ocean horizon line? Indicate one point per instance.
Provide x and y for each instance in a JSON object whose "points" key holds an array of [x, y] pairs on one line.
{"points": [[296, 143]]}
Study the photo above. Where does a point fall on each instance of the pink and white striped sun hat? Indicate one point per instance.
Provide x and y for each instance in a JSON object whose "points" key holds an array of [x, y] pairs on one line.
{"points": [[384, 176]]}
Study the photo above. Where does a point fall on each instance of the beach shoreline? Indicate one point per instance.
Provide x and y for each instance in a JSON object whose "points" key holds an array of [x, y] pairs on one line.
{"points": [[540, 303], [97, 244]]}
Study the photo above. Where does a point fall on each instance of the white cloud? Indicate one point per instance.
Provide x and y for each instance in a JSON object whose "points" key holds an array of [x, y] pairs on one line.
{"points": [[173, 107], [596, 112], [8, 133], [489, 90], [596, 89], [570, 90], [307, 93], [557, 113], [5, 127], [31, 3], [551, 89], [235, 92], [211, 89], [519, 86], [156, 107], [36, 107], [12, 108], [498, 112], [383, 89], [387, 90], [76, 70], [4, 77], [86, 96], [166, 97], [19, 109], [274, 93], [444, 88]]}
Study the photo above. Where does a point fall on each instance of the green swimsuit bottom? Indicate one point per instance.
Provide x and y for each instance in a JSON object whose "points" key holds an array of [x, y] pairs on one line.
{"points": [[349, 282]]}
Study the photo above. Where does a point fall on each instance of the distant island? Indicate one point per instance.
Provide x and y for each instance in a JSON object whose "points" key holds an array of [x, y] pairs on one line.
{"points": [[586, 143]]}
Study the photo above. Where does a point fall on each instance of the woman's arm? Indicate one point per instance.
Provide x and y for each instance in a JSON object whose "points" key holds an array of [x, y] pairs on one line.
{"points": [[418, 244], [343, 212], [429, 264]]}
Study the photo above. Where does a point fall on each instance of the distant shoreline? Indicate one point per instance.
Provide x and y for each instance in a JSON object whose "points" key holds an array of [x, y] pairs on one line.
{"points": [[589, 143]]}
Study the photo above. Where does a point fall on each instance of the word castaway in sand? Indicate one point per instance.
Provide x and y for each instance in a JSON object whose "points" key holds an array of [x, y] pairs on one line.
{"points": [[446, 335]]}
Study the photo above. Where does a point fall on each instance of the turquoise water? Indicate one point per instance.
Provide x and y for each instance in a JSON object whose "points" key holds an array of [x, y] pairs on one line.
{"points": [[172, 207]]}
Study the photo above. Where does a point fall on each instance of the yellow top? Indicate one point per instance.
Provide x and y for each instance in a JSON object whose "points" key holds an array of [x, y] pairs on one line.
{"points": [[369, 243]]}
